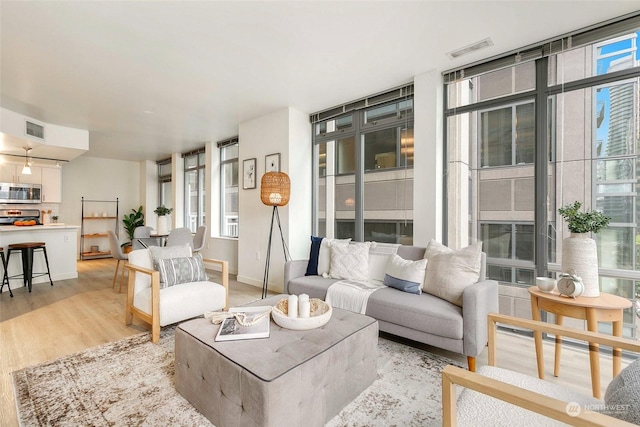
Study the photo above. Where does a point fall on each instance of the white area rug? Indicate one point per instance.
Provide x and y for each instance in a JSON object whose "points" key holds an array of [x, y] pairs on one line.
{"points": [[130, 382]]}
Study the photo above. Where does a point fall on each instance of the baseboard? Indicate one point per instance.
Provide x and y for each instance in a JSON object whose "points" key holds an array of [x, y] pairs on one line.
{"points": [[258, 284]]}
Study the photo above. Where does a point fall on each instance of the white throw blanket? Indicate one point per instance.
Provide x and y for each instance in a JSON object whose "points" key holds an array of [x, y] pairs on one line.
{"points": [[351, 295]]}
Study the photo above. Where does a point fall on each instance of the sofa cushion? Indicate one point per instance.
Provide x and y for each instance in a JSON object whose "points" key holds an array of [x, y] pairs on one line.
{"points": [[186, 301], [314, 286], [449, 272], [314, 253], [424, 313], [623, 394], [350, 262], [405, 275], [174, 271], [324, 256]]}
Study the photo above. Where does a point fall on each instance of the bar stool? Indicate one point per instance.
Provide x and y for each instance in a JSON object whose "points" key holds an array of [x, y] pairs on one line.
{"points": [[27, 249], [5, 278]]}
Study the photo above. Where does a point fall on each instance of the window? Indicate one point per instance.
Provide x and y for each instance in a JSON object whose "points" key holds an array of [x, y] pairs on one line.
{"points": [[507, 136], [164, 183], [194, 189], [229, 189], [363, 171], [586, 100]]}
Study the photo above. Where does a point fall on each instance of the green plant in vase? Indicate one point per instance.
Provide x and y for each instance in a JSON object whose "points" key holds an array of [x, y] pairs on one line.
{"points": [[579, 251], [583, 222], [132, 221], [163, 212]]}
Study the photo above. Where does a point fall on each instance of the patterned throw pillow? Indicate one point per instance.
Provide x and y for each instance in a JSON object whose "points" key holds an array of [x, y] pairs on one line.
{"points": [[174, 271], [405, 275], [350, 262], [449, 272], [324, 255], [623, 394]]}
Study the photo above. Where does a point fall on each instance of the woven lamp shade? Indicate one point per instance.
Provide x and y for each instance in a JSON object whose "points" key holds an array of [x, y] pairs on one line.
{"points": [[275, 189]]}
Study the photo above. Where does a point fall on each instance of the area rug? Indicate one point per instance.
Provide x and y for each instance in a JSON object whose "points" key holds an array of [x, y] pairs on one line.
{"points": [[131, 382]]}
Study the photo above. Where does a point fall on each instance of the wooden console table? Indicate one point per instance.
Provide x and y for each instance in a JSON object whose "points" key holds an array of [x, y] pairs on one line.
{"points": [[605, 308]]}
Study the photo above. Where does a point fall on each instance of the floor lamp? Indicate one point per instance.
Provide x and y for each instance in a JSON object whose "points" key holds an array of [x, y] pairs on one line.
{"points": [[275, 188]]}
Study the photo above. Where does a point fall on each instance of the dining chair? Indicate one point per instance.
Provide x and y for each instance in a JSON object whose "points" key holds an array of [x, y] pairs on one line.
{"points": [[116, 253], [200, 238], [142, 238], [180, 236]]}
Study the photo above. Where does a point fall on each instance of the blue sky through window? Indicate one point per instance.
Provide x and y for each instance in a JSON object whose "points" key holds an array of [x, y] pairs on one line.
{"points": [[603, 96]]}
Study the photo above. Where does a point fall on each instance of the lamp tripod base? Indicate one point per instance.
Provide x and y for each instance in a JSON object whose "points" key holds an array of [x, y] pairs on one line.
{"points": [[275, 216]]}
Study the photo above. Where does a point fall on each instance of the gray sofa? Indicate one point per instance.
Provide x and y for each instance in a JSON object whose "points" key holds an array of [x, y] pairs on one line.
{"points": [[423, 318]]}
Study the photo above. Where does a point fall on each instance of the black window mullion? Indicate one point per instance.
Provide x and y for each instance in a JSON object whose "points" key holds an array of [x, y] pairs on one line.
{"points": [[359, 177], [541, 164]]}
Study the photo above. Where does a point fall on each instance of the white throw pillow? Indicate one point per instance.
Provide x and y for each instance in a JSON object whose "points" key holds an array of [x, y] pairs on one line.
{"points": [[324, 258], [350, 262], [450, 272], [405, 275]]}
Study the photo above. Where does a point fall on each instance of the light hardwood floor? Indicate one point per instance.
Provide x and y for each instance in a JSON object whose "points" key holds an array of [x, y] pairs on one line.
{"points": [[81, 313]]}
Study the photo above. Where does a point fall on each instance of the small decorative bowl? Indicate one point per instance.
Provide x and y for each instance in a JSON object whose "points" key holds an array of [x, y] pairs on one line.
{"points": [[546, 284], [320, 314]]}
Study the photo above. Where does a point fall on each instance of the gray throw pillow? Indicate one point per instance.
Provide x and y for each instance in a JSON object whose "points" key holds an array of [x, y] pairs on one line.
{"points": [[174, 271], [623, 395]]}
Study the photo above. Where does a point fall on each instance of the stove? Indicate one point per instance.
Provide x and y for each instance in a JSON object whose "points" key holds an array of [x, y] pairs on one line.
{"points": [[9, 216]]}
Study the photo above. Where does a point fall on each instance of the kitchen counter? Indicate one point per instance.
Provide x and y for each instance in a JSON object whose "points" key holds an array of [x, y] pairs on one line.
{"points": [[62, 250], [58, 226]]}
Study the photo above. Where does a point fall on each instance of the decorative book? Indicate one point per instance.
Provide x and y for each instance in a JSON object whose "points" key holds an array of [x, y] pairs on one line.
{"points": [[257, 319]]}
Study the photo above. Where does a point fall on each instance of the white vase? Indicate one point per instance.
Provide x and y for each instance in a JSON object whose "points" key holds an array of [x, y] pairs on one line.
{"points": [[162, 225], [579, 253]]}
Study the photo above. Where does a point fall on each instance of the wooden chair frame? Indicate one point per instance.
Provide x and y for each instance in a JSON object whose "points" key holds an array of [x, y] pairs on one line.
{"points": [[153, 318], [547, 406]]}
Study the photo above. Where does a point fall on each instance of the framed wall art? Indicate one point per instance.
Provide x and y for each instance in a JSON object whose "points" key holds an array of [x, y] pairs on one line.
{"points": [[272, 163], [249, 174]]}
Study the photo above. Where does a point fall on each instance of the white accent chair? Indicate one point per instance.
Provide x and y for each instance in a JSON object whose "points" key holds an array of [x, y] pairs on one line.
{"points": [[162, 307], [503, 397]]}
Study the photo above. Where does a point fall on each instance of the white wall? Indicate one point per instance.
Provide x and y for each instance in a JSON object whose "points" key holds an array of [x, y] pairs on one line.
{"points": [[149, 191], [99, 179], [286, 132]]}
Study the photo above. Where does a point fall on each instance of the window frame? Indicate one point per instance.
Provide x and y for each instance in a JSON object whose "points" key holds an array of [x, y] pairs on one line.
{"points": [[223, 224], [200, 169]]}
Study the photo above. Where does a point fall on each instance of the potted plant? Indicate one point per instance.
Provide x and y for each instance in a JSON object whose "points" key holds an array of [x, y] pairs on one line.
{"points": [[162, 212], [583, 222], [579, 251], [132, 221]]}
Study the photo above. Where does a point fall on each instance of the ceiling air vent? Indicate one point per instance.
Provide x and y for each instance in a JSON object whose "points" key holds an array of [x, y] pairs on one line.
{"points": [[471, 48], [34, 130]]}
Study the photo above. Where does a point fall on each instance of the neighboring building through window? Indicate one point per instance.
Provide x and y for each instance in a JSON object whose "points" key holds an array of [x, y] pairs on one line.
{"points": [[194, 189], [363, 169], [589, 138], [229, 187]]}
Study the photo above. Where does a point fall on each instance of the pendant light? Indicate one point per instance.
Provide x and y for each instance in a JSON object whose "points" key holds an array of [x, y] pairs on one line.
{"points": [[26, 170]]}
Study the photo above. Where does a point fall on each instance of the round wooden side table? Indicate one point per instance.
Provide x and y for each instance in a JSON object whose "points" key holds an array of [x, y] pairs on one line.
{"points": [[605, 308]]}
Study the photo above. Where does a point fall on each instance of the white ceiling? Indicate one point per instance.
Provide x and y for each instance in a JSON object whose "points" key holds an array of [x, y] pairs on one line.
{"points": [[150, 78]]}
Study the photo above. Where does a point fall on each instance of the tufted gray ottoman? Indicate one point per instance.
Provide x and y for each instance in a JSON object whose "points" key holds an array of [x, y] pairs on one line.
{"points": [[292, 378]]}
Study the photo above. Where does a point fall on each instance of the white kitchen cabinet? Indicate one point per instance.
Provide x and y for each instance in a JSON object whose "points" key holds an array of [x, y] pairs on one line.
{"points": [[13, 173], [51, 185]]}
